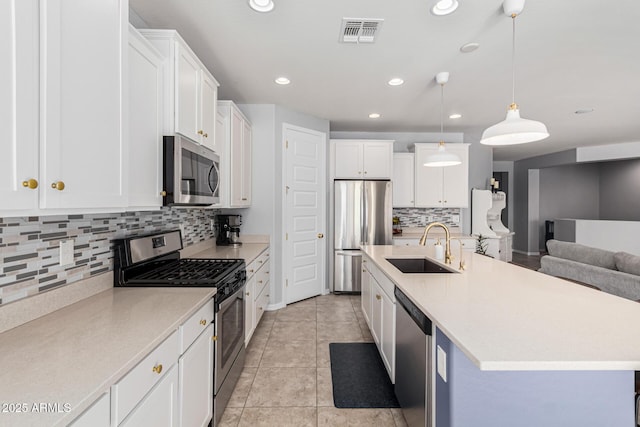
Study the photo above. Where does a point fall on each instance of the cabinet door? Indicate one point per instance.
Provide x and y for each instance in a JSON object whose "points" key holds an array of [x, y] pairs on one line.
{"points": [[159, 408], [377, 159], [83, 49], [348, 159], [97, 415], [236, 159], [428, 180], [249, 309], [388, 332], [403, 180], [456, 179], [376, 311], [145, 122], [187, 113], [208, 107], [18, 104], [246, 164], [195, 396], [365, 297], [222, 129]]}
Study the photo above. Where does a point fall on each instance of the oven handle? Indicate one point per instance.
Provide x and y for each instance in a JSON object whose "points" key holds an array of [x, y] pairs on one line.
{"points": [[229, 300]]}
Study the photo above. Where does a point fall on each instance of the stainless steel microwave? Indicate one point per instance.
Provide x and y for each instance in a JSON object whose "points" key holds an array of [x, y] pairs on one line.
{"points": [[191, 173]]}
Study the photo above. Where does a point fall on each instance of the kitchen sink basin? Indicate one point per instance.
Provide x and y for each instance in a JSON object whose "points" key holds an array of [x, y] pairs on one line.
{"points": [[417, 265]]}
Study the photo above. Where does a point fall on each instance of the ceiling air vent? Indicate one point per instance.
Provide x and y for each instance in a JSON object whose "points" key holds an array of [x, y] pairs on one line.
{"points": [[357, 30]]}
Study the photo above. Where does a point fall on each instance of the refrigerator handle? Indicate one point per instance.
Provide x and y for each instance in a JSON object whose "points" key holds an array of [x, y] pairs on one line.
{"points": [[364, 216]]}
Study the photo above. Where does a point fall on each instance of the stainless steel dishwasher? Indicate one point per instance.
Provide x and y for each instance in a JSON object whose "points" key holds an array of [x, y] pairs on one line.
{"points": [[413, 362]]}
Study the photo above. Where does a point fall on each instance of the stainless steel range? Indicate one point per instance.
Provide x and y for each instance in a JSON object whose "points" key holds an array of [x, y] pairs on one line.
{"points": [[154, 260]]}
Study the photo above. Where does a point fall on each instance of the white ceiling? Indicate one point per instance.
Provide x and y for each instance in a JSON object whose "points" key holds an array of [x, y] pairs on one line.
{"points": [[571, 54]]}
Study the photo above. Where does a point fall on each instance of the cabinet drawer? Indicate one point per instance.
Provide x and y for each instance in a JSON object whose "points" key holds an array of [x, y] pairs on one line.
{"points": [[137, 383], [262, 259], [252, 267], [262, 278], [261, 304], [193, 327]]}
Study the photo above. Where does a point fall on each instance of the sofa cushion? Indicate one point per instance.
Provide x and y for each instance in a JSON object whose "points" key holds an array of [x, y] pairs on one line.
{"points": [[582, 253], [627, 263]]}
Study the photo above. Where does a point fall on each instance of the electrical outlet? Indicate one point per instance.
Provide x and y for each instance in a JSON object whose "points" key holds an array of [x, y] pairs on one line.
{"points": [[66, 252], [423, 219], [442, 364], [181, 226], [455, 218]]}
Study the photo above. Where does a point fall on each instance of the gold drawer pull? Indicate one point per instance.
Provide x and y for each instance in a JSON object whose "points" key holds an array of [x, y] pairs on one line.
{"points": [[378, 297], [251, 271], [203, 322], [260, 261], [58, 185], [266, 272], [158, 368], [206, 135], [214, 338], [259, 281], [30, 183], [247, 293], [163, 193]]}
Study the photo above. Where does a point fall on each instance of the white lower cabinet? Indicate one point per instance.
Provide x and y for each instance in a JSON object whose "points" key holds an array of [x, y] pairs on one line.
{"points": [[172, 385], [158, 408], [195, 395], [256, 293], [379, 299], [97, 415]]}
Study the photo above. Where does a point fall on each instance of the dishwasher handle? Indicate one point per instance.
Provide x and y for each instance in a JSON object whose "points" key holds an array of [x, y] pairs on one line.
{"points": [[420, 319]]}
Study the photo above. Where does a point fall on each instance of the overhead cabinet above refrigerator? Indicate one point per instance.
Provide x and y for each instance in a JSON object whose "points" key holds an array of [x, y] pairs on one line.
{"points": [[362, 217]]}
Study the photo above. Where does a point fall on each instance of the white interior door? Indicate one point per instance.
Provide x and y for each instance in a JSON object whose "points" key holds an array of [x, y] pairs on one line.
{"points": [[305, 213]]}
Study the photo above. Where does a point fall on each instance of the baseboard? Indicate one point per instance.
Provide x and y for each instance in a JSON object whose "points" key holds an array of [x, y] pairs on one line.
{"points": [[526, 253], [273, 307]]}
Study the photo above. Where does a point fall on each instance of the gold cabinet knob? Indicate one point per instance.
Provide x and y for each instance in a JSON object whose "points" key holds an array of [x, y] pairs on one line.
{"points": [[251, 271], [320, 235], [158, 368], [259, 281], [30, 183], [260, 261], [214, 338], [200, 132], [378, 297], [163, 193], [260, 308], [266, 272], [206, 135], [247, 293], [203, 322], [58, 185]]}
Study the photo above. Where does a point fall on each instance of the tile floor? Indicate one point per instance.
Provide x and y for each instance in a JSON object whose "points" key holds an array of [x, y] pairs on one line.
{"points": [[287, 376]]}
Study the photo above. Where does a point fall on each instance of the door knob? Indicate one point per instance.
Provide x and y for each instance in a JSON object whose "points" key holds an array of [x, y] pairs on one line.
{"points": [[58, 185], [320, 235], [30, 183]]}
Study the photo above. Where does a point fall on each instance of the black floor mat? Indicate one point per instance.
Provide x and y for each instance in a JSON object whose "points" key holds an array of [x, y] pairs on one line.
{"points": [[359, 377]]}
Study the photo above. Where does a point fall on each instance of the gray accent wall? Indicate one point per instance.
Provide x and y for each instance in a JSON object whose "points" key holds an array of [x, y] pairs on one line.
{"points": [[620, 190]]}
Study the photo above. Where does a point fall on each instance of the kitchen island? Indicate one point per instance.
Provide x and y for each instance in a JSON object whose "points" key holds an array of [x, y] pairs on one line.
{"points": [[522, 348]]}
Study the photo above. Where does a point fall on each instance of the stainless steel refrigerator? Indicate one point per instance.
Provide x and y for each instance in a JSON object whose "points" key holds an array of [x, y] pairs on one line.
{"points": [[363, 216]]}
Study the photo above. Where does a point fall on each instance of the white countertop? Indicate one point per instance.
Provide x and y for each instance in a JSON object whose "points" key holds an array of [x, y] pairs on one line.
{"points": [[247, 251], [505, 317], [75, 354]]}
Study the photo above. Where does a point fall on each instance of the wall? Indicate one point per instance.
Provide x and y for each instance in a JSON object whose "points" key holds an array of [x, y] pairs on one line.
{"points": [[29, 245], [570, 191], [620, 190], [265, 214]]}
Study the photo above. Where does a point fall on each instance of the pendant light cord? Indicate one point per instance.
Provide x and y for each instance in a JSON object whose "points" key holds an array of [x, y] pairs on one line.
{"points": [[442, 112], [513, 61]]}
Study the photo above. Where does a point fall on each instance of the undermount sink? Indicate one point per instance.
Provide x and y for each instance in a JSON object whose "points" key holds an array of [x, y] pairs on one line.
{"points": [[417, 265]]}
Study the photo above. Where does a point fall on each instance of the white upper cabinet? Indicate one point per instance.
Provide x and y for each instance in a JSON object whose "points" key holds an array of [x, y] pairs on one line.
{"points": [[235, 157], [19, 105], [75, 53], [145, 122], [362, 159], [191, 91], [403, 180], [441, 186]]}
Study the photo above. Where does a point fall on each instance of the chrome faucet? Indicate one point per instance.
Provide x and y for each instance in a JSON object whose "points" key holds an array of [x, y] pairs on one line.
{"points": [[447, 248]]}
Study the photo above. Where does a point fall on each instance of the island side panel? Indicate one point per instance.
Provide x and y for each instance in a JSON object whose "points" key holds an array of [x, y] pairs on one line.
{"points": [[472, 397]]}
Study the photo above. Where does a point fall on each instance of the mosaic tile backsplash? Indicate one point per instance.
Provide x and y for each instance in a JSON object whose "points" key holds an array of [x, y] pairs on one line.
{"points": [[419, 217], [29, 246]]}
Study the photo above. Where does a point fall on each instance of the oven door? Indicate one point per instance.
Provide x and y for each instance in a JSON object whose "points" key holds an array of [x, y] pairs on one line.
{"points": [[230, 335]]}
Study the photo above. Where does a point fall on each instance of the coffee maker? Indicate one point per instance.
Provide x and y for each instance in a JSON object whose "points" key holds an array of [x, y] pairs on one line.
{"points": [[228, 230]]}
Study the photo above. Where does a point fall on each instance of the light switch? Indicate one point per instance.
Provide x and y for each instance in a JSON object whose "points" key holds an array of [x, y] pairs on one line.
{"points": [[442, 364], [66, 252]]}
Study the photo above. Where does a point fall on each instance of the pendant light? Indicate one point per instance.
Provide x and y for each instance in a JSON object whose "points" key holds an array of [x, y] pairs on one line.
{"points": [[514, 129], [442, 157]]}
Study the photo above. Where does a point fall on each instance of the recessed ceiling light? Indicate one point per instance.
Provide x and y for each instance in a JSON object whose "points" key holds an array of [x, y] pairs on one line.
{"points": [[282, 81], [469, 47], [261, 5], [444, 7], [374, 116], [455, 116], [396, 81], [584, 111]]}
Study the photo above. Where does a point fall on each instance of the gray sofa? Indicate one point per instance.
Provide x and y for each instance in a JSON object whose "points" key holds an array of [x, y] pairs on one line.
{"points": [[617, 273]]}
